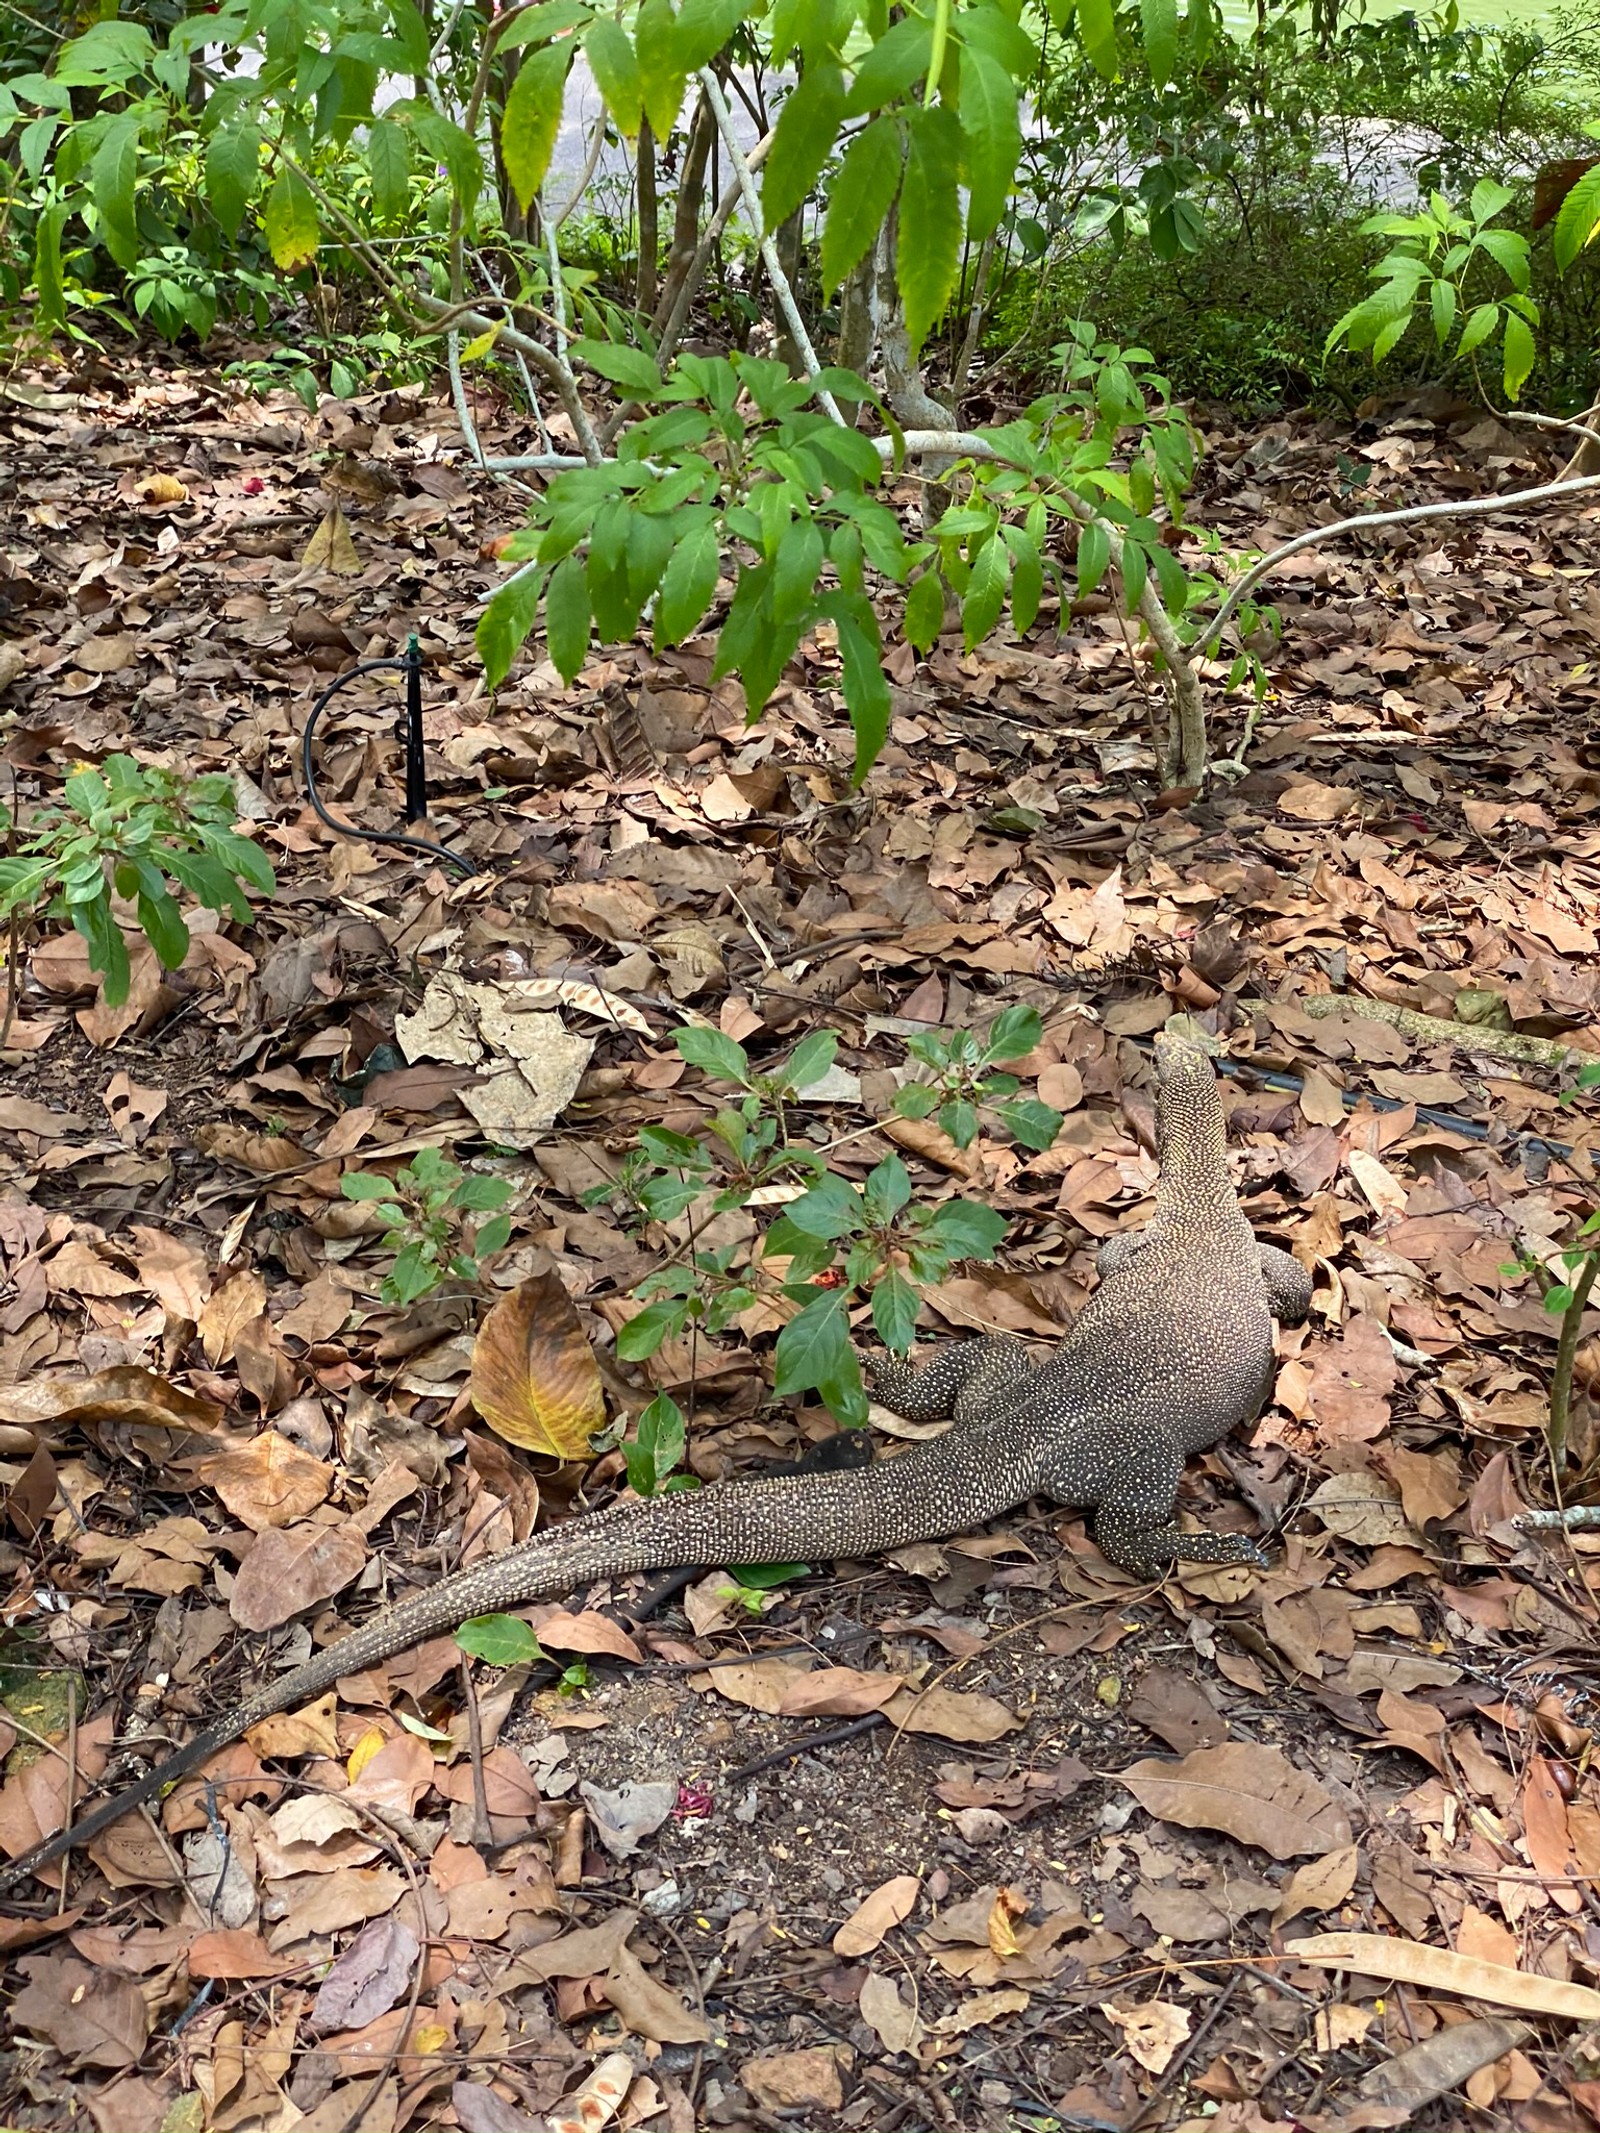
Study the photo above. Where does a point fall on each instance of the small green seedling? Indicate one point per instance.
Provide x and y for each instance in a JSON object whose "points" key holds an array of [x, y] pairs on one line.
{"points": [[1588, 1080], [755, 1583], [130, 830], [421, 1208], [961, 1081], [656, 1449]]}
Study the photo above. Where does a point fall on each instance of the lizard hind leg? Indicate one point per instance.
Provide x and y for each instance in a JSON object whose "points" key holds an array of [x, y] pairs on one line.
{"points": [[960, 1381], [1125, 1535]]}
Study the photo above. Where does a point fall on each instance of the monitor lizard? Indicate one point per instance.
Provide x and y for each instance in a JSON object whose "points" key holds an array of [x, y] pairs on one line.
{"points": [[1172, 1350]]}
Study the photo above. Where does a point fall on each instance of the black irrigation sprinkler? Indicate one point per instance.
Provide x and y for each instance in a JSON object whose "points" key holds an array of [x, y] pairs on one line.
{"points": [[410, 731]]}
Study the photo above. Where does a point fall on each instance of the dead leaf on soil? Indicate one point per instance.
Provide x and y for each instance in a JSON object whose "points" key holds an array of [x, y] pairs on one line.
{"points": [[1411, 1962], [807, 2080], [952, 1715], [290, 1569], [1152, 2032], [889, 1905], [1251, 1792], [127, 1393], [534, 1377], [268, 1482]]}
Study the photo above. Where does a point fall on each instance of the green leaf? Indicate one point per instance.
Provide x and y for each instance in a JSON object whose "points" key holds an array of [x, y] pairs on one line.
{"points": [[808, 126], [113, 172], [289, 222], [389, 160], [1578, 223], [766, 1577], [50, 309], [640, 1336], [662, 69], [859, 198], [1480, 324], [1028, 1120], [811, 1059], [448, 144], [991, 140], [163, 927], [928, 257], [1558, 1299], [986, 592], [658, 1445], [831, 1209], [894, 1311], [690, 580], [866, 686], [1158, 20], [566, 618], [814, 1348], [887, 1189], [615, 66], [503, 1640], [628, 367], [893, 64], [1094, 555], [1520, 354], [967, 1229], [924, 612], [1097, 33], [1489, 196], [504, 625], [704, 27], [1015, 1033], [714, 1054], [532, 119], [108, 952], [233, 165]]}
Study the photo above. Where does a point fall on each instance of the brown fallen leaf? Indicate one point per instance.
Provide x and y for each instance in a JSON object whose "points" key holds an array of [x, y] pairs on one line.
{"points": [[232, 1953], [369, 1977], [267, 1482], [228, 1311], [1320, 1885], [951, 1714], [1440, 2063], [838, 1692], [534, 1377], [309, 1731], [290, 1569], [93, 2017], [175, 1273], [1411, 1962], [649, 2008], [124, 1393], [587, 1632], [889, 1905], [1252, 1792], [1152, 2032], [891, 2013], [332, 547]]}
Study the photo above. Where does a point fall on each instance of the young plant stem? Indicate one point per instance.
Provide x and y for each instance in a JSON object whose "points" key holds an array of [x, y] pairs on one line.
{"points": [[1566, 1356]]}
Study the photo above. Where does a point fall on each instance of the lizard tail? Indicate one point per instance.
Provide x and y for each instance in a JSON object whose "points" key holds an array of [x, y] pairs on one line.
{"points": [[929, 1491]]}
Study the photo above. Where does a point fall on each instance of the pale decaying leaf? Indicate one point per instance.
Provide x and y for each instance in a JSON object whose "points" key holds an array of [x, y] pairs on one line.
{"points": [[892, 2013], [1411, 1962], [533, 1063], [127, 1393], [534, 1377], [1152, 2032], [598, 2100]]}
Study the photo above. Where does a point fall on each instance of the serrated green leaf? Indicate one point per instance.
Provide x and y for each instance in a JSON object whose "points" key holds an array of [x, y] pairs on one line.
{"points": [[532, 119], [991, 140], [615, 66], [893, 63], [859, 198], [928, 257], [924, 612], [1158, 22], [289, 222], [808, 126], [689, 581], [389, 161], [1096, 23], [1578, 222], [113, 171], [504, 625], [233, 165], [662, 70], [567, 618]]}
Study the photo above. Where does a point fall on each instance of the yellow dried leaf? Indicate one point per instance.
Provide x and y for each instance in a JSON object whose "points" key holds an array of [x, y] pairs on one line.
{"points": [[534, 1377], [364, 1750]]}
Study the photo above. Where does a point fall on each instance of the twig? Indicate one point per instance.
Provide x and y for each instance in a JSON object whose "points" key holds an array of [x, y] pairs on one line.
{"points": [[1571, 1518], [482, 1832], [792, 318]]}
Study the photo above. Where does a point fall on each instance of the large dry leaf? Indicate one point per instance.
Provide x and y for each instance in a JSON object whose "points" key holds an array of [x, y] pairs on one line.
{"points": [[175, 1273], [587, 1632], [952, 1715], [889, 1905], [267, 1482], [93, 2017], [534, 1377], [649, 2008], [1412, 1962], [228, 1311], [891, 2013], [1252, 1792], [126, 1393], [291, 1569]]}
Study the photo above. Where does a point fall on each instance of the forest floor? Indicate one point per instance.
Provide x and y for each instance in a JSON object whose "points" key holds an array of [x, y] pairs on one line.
{"points": [[1091, 1878]]}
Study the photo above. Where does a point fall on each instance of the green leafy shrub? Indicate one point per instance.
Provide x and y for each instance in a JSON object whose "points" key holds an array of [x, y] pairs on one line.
{"points": [[421, 1208], [131, 830]]}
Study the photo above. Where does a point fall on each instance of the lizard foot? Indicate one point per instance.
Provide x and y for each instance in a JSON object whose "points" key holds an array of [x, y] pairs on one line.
{"points": [[961, 1379], [1150, 1550]]}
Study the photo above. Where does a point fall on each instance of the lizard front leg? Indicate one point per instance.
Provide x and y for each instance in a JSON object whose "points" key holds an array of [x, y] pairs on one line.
{"points": [[960, 1380], [1288, 1284]]}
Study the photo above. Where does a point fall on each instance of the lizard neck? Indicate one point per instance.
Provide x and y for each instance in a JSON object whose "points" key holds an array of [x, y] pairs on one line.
{"points": [[1194, 1192]]}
